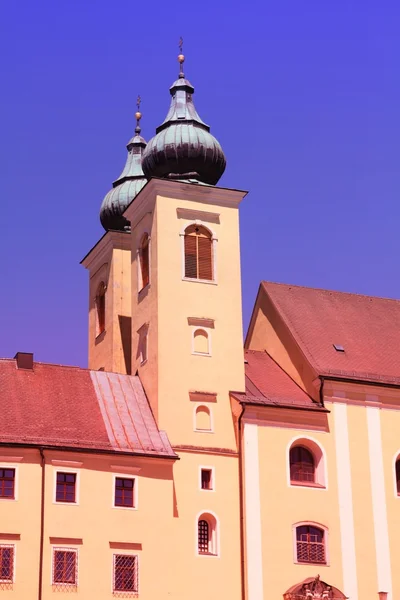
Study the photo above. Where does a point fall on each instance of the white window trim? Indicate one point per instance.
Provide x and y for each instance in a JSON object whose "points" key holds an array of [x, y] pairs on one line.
{"points": [[10, 465], [214, 239], [208, 333], [207, 468], [14, 546], [321, 470], [77, 485], [135, 491], [211, 430], [141, 290], [216, 533], [126, 594], [65, 549], [327, 562], [395, 458]]}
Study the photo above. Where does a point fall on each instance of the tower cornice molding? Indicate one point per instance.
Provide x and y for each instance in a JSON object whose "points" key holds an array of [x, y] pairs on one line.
{"points": [[111, 240]]}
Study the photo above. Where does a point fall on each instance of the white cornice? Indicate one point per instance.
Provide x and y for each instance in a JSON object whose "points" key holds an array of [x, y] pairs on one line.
{"points": [[111, 240]]}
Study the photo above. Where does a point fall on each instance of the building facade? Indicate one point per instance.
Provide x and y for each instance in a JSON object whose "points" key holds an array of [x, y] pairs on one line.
{"points": [[180, 465]]}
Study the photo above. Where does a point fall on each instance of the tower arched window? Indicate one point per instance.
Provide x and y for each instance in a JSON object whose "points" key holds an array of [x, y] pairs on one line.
{"points": [[310, 544], [397, 467], [198, 253], [201, 342], [100, 308], [207, 535], [144, 262], [302, 464], [203, 418]]}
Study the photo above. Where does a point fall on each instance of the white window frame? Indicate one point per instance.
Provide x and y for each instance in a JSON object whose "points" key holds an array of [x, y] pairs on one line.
{"points": [[65, 549], [77, 485], [14, 547], [214, 240], [207, 468], [208, 334], [321, 466], [215, 534], [135, 491], [141, 290], [325, 529], [125, 594], [202, 405], [10, 465]]}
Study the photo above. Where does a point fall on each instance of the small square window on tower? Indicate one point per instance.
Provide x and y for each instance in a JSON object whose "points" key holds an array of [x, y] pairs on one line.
{"points": [[206, 478]]}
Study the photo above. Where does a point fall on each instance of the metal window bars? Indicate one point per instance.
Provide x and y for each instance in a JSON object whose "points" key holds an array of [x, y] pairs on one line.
{"points": [[65, 568], [126, 579]]}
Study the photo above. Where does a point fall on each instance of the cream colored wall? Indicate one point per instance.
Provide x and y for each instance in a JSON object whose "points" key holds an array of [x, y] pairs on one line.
{"points": [[111, 349]]}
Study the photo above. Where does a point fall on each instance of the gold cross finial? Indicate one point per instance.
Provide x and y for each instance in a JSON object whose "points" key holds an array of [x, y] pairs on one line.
{"points": [[181, 57], [138, 101], [138, 114]]}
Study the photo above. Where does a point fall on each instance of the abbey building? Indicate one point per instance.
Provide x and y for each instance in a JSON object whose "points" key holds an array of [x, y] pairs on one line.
{"points": [[181, 465]]}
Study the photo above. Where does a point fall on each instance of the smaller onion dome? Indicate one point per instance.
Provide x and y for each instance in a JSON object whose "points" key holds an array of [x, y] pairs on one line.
{"points": [[183, 147], [128, 184]]}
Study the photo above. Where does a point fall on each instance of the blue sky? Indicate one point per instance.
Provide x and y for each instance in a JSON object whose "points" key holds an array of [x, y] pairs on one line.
{"points": [[303, 96]]}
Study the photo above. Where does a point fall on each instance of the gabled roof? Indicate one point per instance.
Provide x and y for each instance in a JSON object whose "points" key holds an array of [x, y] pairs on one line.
{"points": [[367, 328], [268, 384], [61, 406]]}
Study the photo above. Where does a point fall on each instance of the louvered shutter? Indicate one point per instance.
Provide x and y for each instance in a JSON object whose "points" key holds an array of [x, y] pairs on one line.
{"points": [[191, 256], [144, 263], [205, 257]]}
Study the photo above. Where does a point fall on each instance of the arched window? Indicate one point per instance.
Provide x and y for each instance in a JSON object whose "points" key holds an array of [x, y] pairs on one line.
{"points": [[198, 253], [144, 262], [200, 342], [203, 418], [100, 309], [207, 539], [310, 544], [302, 464], [398, 476]]}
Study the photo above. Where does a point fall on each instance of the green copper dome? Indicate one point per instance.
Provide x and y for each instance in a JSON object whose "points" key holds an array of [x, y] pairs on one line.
{"points": [[183, 147], [126, 187]]}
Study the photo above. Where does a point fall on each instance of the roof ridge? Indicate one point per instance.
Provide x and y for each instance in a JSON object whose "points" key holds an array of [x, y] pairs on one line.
{"points": [[306, 287]]}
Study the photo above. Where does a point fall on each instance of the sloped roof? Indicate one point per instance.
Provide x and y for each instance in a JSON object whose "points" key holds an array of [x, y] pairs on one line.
{"points": [[61, 406], [367, 327], [267, 384]]}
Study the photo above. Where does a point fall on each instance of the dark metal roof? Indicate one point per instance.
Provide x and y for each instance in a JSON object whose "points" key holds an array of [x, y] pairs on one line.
{"points": [[183, 147]]}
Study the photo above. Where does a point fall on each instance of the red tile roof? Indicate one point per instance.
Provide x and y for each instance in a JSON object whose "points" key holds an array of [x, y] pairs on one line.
{"points": [[60, 406], [268, 384], [367, 327]]}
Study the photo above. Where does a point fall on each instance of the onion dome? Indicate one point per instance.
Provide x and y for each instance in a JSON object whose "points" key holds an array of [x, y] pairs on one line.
{"points": [[128, 184], [183, 147]]}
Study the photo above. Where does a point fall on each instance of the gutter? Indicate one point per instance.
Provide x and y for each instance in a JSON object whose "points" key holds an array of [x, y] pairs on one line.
{"points": [[43, 466], [241, 506]]}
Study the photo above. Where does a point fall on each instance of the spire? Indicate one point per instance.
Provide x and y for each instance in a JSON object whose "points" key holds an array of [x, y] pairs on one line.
{"points": [[183, 147], [128, 184]]}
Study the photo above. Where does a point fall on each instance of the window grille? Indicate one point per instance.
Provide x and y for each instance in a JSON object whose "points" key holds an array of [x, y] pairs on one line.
{"points": [[124, 489], [206, 479], [310, 544], [398, 476], [6, 566], [198, 253], [65, 568], [203, 537], [7, 483], [144, 262], [302, 465], [66, 487], [125, 574]]}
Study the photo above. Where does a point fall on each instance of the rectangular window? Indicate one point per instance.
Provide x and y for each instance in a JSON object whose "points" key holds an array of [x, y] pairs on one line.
{"points": [[6, 563], [65, 567], [125, 573], [124, 492], [206, 479], [66, 487], [7, 483]]}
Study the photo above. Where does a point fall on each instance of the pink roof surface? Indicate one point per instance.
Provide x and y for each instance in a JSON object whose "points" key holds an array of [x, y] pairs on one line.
{"points": [[367, 327], [61, 406], [267, 383]]}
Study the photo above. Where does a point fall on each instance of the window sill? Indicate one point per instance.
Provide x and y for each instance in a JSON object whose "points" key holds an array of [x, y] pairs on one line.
{"points": [[65, 503], [203, 430], [208, 554], [193, 280], [125, 507], [143, 291], [7, 499], [100, 337], [143, 362], [319, 564], [201, 354], [307, 484]]}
